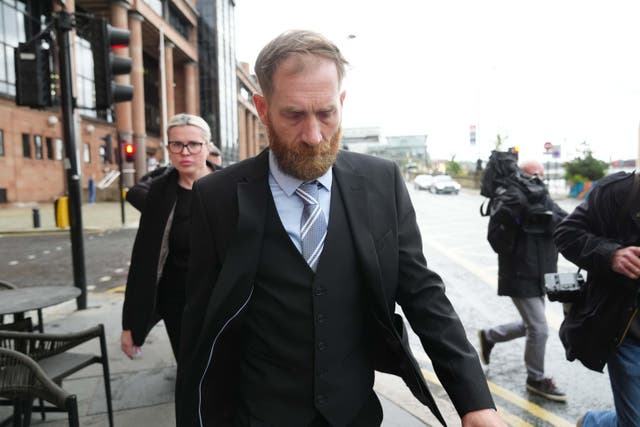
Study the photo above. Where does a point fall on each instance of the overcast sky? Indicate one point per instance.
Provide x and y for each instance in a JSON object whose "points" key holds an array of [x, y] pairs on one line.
{"points": [[563, 71]]}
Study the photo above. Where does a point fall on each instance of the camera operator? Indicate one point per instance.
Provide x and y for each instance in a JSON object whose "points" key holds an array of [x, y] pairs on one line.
{"points": [[520, 231], [602, 236]]}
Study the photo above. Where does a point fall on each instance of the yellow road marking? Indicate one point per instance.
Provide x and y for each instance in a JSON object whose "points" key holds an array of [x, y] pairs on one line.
{"points": [[116, 290], [553, 319], [535, 410]]}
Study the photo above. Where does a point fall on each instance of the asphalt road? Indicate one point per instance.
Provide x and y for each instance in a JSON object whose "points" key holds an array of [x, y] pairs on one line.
{"points": [[454, 240], [455, 246], [45, 259]]}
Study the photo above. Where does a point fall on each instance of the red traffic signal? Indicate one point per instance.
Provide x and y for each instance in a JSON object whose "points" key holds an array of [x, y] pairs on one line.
{"points": [[129, 152]]}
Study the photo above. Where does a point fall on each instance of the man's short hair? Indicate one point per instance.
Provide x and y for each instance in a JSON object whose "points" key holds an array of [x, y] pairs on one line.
{"points": [[184, 119], [295, 42], [214, 151]]}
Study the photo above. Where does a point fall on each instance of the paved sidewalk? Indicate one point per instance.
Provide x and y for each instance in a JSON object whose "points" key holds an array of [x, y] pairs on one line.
{"points": [[143, 389]]}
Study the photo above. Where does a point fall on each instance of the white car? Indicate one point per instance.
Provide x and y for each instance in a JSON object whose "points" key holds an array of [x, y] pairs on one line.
{"points": [[444, 184], [422, 182]]}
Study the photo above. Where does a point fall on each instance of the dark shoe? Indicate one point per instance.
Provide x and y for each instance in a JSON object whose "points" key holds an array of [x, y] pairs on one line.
{"points": [[547, 389], [485, 347]]}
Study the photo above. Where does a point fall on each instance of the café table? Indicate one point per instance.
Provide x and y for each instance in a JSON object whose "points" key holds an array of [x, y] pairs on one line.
{"points": [[18, 301]]}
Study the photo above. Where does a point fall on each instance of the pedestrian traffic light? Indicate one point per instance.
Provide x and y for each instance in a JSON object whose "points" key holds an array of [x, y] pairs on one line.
{"points": [[106, 64], [108, 148], [515, 150], [129, 152], [33, 74]]}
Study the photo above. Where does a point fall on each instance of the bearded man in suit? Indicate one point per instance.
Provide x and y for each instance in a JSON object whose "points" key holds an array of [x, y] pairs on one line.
{"points": [[299, 256]]}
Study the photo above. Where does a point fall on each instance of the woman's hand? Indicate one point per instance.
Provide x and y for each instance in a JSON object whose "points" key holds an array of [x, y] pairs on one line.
{"points": [[127, 346]]}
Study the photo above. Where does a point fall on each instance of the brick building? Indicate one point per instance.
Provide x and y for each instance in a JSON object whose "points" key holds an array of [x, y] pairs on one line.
{"points": [[165, 51]]}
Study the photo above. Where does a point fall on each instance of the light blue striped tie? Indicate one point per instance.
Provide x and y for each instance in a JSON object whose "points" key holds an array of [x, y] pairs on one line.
{"points": [[313, 226]]}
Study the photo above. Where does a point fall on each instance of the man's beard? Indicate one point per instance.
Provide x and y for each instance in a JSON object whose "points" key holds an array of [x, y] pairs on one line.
{"points": [[303, 161]]}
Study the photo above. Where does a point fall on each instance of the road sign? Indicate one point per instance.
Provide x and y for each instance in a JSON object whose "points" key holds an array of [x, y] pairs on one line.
{"points": [[548, 146]]}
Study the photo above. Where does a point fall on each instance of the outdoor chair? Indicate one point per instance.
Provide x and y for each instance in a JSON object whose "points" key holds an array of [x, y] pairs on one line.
{"points": [[51, 352], [6, 286], [22, 380]]}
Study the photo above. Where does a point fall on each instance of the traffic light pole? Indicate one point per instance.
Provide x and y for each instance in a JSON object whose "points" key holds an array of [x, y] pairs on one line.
{"points": [[64, 24], [121, 178]]}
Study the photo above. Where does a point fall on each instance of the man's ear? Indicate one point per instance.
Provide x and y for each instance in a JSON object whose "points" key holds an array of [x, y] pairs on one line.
{"points": [[261, 106], [342, 95]]}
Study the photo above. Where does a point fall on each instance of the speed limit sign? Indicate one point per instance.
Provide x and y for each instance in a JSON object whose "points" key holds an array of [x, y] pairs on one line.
{"points": [[548, 146]]}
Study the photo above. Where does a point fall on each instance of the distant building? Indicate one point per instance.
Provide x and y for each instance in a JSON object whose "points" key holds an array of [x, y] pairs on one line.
{"points": [[31, 147], [218, 80], [403, 148], [361, 139]]}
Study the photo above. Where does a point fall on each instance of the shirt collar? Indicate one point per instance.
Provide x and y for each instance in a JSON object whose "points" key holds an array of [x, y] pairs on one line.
{"points": [[288, 184]]}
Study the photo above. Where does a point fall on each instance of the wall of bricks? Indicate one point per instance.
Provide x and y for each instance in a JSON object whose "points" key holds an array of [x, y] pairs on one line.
{"points": [[34, 179]]}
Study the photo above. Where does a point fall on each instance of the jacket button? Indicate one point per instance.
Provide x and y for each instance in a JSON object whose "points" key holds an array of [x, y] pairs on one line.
{"points": [[321, 399], [319, 291], [322, 346], [321, 318]]}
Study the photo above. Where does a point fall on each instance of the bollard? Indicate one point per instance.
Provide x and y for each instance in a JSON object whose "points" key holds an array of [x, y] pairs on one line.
{"points": [[36, 217]]}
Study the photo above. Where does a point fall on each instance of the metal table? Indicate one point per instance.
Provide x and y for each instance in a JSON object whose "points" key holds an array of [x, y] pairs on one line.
{"points": [[19, 301]]}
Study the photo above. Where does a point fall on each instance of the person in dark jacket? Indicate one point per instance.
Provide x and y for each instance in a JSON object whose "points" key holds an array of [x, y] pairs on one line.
{"points": [[525, 253], [602, 236], [156, 282], [296, 267]]}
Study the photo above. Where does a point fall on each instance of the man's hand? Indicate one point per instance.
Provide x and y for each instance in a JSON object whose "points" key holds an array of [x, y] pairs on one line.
{"points": [[127, 346], [483, 418], [626, 261]]}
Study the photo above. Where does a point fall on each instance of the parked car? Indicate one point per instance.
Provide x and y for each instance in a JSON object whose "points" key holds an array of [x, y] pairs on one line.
{"points": [[422, 182], [444, 184]]}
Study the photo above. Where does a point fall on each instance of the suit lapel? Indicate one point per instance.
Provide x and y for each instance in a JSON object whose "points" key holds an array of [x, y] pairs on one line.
{"points": [[351, 185], [241, 260]]}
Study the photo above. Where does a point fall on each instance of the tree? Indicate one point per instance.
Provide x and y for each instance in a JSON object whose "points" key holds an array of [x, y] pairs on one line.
{"points": [[584, 169], [453, 168]]}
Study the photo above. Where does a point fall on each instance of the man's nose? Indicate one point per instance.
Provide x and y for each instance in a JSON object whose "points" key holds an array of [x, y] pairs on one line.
{"points": [[311, 133]]}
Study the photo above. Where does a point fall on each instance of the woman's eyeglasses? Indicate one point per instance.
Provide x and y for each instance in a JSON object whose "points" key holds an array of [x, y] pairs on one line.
{"points": [[192, 147]]}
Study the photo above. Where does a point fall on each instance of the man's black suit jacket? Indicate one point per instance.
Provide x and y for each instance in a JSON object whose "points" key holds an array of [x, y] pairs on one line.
{"points": [[228, 214]]}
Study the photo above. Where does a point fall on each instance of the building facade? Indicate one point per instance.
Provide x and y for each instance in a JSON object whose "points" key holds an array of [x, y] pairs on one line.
{"points": [[217, 66], [165, 77]]}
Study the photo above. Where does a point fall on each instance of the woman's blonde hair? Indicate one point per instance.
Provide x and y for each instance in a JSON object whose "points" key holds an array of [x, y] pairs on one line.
{"points": [[184, 119]]}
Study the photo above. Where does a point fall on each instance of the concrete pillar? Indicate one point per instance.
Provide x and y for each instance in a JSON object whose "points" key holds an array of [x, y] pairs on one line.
{"points": [[137, 108], [169, 80], [191, 104], [243, 135]]}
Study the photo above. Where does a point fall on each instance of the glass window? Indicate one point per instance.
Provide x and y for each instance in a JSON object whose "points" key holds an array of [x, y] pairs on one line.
{"points": [[49, 144], [1, 143], [26, 145], [13, 22], [155, 5], [87, 152], [179, 22], [59, 149], [37, 142], [85, 78], [102, 150]]}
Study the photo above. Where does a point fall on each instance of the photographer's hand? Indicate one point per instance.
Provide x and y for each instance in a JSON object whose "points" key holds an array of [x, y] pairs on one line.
{"points": [[626, 261]]}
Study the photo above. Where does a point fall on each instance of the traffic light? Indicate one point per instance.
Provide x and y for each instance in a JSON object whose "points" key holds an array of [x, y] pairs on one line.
{"points": [[129, 152], [33, 74], [515, 150], [107, 65], [108, 148]]}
